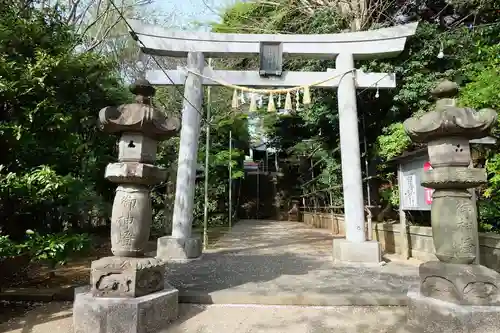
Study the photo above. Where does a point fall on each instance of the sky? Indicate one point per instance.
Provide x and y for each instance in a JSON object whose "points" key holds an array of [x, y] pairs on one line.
{"points": [[188, 11], [204, 11]]}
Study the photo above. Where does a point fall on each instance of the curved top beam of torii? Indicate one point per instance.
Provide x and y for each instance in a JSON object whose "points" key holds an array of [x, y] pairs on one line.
{"points": [[385, 42]]}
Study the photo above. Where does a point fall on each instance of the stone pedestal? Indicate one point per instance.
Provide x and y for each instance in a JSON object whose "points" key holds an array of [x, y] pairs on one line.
{"points": [[367, 252], [460, 284], [127, 291], [455, 298], [430, 315], [454, 294], [145, 314], [126, 277], [179, 249]]}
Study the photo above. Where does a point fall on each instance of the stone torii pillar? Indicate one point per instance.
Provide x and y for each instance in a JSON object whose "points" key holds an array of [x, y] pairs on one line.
{"points": [[454, 294], [182, 245], [354, 248]]}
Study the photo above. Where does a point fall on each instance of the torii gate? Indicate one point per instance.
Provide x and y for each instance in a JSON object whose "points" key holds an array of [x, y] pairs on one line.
{"points": [[345, 47]]}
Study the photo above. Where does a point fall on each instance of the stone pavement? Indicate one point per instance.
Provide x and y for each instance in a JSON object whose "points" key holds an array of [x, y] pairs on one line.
{"points": [[279, 265], [55, 317], [285, 263]]}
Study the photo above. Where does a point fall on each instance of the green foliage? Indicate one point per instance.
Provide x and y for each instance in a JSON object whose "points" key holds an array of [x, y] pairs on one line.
{"points": [[218, 163], [239, 16], [484, 89], [8, 248], [54, 249], [489, 211], [316, 123], [467, 31], [393, 142], [53, 155], [44, 189], [493, 169], [389, 191], [222, 121]]}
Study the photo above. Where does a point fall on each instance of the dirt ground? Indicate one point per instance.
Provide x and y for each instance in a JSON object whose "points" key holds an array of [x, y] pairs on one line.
{"points": [[77, 270], [36, 276]]}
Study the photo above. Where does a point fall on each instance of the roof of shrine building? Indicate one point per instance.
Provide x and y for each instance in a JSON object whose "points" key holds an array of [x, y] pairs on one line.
{"points": [[379, 43]]}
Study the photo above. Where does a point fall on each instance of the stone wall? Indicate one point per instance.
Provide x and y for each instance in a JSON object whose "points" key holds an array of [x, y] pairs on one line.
{"points": [[419, 240], [332, 222]]}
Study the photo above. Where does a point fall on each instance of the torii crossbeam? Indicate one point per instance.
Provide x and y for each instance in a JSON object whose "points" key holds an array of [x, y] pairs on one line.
{"points": [[344, 47]]}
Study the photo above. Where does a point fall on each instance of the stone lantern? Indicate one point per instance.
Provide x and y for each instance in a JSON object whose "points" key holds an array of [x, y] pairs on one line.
{"points": [[146, 301], [454, 295]]}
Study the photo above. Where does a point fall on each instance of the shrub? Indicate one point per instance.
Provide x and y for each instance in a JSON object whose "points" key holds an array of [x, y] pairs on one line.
{"points": [[53, 249], [8, 248]]}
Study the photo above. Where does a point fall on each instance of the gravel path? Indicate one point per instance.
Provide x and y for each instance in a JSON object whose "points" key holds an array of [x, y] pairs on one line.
{"points": [[56, 318], [274, 263], [286, 263]]}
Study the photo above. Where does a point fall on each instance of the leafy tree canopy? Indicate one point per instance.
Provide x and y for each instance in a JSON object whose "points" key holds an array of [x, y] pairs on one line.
{"points": [[52, 155], [466, 33]]}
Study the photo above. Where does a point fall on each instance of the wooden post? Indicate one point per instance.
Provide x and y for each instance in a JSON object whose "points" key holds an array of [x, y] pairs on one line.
{"points": [[369, 234], [476, 261], [405, 248], [368, 189], [207, 159], [258, 192], [230, 179]]}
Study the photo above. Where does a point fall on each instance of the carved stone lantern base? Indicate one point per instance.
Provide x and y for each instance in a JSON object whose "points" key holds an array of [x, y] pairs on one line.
{"points": [[145, 314], [126, 277], [460, 284], [455, 298], [430, 315]]}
